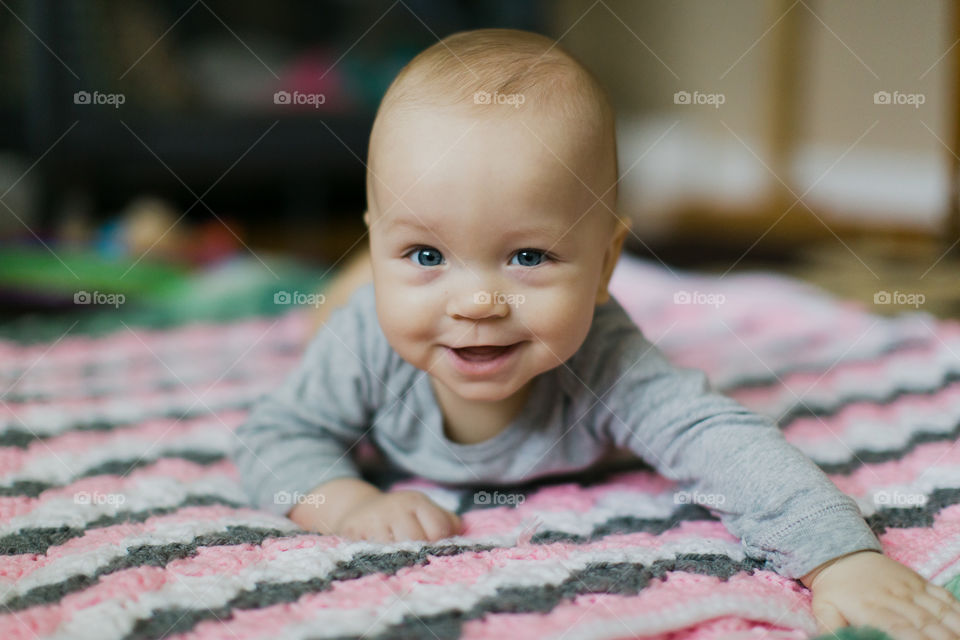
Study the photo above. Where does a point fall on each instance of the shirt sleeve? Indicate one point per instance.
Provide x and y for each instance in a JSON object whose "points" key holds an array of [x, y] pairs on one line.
{"points": [[736, 462], [300, 435]]}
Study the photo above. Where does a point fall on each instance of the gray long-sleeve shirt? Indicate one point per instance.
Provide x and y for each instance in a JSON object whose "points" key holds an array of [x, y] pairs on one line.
{"points": [[617, 390]]}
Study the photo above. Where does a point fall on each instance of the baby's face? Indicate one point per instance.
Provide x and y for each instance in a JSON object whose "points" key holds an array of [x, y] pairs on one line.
{"points": [[481, 234]]}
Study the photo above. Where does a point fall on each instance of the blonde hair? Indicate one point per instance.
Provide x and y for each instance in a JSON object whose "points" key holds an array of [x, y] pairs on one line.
{"points": [[503, 62]]}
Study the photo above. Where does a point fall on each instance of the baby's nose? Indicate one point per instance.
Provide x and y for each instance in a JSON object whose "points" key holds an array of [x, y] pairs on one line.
{"points": [[477, 304]]}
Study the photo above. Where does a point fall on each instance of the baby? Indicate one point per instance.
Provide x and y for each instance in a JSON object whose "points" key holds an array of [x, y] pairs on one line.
{"points": [[487, 350]]}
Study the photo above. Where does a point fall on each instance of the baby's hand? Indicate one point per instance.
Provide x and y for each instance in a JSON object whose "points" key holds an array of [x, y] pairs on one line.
{"points": [[398, 515], [868, 588]]}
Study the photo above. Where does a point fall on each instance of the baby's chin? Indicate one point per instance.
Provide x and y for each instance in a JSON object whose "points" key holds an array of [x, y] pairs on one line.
{"points": [[486, 391]]}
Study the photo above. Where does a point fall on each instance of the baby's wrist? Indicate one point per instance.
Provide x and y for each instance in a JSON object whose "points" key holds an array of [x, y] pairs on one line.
{"points": [[809, 579]]}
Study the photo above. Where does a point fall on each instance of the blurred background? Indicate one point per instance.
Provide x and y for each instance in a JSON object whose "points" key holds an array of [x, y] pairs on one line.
{"points": [[172, 160]]}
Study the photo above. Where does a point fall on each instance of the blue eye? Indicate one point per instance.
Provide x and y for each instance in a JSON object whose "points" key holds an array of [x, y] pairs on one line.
{"points": [[431, 255], [530, 257]]}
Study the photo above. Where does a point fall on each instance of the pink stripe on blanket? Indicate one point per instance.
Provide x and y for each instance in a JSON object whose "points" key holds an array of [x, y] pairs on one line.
{"points": [[148, 373], [156, 430], [764, 596], [722, 353], [922, 546], [900, 415], [179, 469], [732, 628], [79, 350], [901, 471], [147, 402], [866, 375]]}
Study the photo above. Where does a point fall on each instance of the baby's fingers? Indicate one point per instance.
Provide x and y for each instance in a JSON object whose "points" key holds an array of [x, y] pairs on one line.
{"points": [[895, 624], [942, 594], [947, 613], [407, 527], [456, 522], [920, 618], [377, 531], [438, 523], [828, 618]]}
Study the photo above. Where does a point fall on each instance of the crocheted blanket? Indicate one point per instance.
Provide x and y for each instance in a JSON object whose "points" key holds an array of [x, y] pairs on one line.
{"points": [[121, 515]]}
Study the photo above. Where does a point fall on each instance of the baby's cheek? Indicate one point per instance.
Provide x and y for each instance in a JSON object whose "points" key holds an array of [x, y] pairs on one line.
{"points": [[560, 322], [414, 340], [403, 315]]}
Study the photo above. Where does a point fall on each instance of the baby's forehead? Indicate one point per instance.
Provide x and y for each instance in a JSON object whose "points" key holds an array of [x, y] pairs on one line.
{"points": [[540, 215], [466, 113], [419, 142]]}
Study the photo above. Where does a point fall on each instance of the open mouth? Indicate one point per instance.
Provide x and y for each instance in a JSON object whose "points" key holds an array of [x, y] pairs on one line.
{"points": [[484, 353], [483, 360]]}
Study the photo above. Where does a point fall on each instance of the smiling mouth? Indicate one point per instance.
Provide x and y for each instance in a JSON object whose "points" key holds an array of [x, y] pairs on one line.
{"points": [[484, 353]]}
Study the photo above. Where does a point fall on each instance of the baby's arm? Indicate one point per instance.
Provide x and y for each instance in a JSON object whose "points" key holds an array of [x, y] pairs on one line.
{"points": [[355, 509], [868, 588], [733, 461], [782, 506]]}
